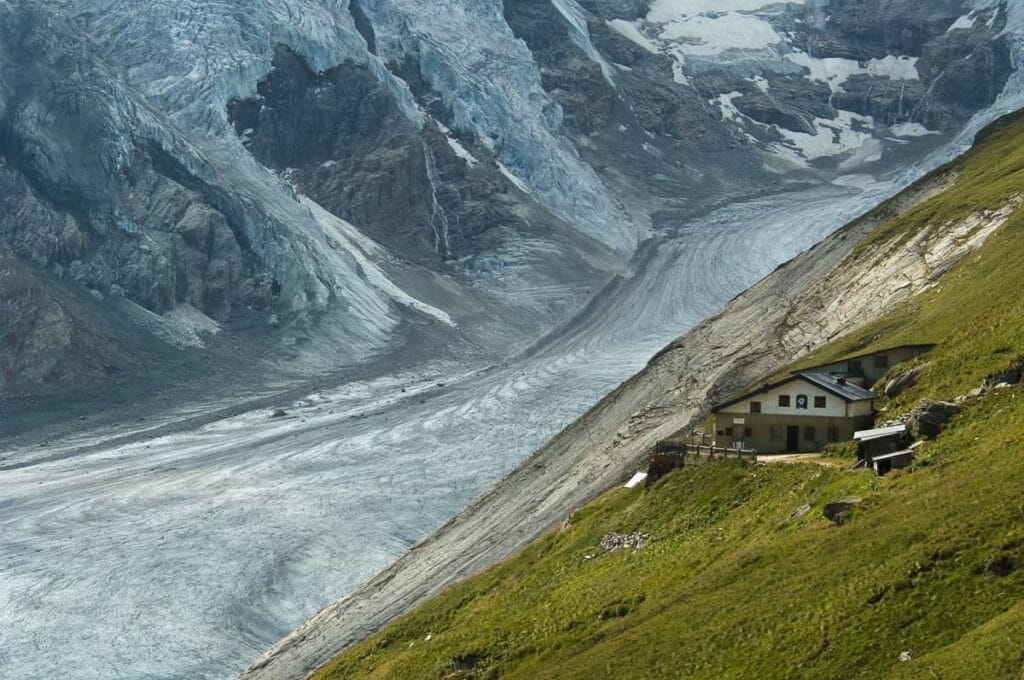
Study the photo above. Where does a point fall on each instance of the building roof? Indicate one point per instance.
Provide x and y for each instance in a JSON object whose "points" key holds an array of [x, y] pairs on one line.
{"points": [[926, 347], [892, 456], [838, 386], [832, 384], [880, 433]]}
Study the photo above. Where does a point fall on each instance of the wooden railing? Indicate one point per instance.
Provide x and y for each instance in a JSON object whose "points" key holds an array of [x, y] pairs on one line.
{"points": [[670, 447]]}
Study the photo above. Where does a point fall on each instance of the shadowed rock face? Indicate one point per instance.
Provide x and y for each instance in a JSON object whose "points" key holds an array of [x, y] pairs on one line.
{"points": [[340, 138], [576, 82], [961, 70], [84, 209]]}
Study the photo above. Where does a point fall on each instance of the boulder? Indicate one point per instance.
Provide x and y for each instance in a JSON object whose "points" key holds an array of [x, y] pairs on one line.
{"points": [[838, 511], [929, 417], [1009, 377], [902, 383]]}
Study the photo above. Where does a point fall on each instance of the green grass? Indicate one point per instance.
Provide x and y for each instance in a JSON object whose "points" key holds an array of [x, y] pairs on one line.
{"points": [[735, 582]]}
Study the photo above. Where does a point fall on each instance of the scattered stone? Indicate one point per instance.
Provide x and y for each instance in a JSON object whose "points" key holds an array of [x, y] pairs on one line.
{"points": [[838, 511], [613, 542], [902, 383], [1010, 377], [801, 511], [998, 565], [929, 417], [905, 657], [279, 413]]}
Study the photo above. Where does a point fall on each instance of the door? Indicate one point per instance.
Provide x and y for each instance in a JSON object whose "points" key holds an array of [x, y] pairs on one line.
{"points": [[793, 439]]}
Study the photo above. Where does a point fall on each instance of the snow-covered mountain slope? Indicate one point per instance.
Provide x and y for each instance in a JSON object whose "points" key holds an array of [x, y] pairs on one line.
{"points": [[466, 153]]}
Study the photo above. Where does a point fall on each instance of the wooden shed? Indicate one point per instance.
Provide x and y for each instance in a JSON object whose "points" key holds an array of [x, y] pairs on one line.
{"points": [[884, 449]]}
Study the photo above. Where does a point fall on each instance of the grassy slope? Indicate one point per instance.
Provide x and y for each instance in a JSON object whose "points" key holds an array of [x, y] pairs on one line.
{"points": [[733, 584]]}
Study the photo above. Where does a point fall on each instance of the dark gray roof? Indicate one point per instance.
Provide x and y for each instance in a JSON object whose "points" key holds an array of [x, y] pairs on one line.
{"points": [[838, 386], [924, 347], [832, 384]]}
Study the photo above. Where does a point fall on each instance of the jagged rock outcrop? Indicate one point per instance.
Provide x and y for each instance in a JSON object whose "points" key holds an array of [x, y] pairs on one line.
{"points": [[929, 417], [904, 382], [839, 511], [340, 138]]}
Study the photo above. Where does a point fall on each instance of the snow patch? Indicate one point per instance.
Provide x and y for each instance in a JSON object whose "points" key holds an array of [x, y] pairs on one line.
{"points": [[580, 34], [964, 23], [629, 30], [832, 138], [912, 130], [707, 35], [512, 177], [727, 108], [834, 71]]}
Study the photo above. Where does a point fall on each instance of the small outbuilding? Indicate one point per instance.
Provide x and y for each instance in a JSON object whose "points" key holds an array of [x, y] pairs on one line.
{"points": [[798, 415], [884, 449]]}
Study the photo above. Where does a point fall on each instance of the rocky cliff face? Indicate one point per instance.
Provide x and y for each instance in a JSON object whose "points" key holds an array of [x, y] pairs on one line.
{"points": [[340, 170]]}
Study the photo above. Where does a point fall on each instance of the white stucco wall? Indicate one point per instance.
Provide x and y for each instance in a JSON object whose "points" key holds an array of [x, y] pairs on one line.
{"points": [[835, 407]]}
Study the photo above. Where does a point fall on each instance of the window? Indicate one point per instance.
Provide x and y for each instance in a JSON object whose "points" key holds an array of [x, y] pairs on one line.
{"points": [[809, 434], [820, 402], [755, 407], [882, 361], [784, 400], [833, 434], [749, 432], [728, 432]]}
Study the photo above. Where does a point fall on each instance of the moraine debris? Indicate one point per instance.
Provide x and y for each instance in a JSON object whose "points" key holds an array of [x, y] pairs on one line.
{"points": [[614, 542]]}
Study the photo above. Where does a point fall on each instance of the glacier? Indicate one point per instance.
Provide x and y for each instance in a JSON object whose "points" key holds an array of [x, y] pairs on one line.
{"points": [[184, 545], [186, 554]]}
